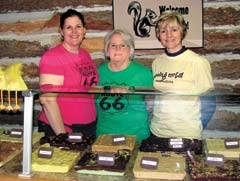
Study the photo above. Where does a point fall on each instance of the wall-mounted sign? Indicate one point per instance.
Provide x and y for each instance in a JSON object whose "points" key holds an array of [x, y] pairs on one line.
{"points": [[139, 18]]}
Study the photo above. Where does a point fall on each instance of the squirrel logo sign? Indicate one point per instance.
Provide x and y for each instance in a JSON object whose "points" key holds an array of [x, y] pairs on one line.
{"points": [[141, 25]]}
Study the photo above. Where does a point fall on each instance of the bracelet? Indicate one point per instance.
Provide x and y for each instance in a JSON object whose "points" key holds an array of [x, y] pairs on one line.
{"points": [[106, 88], [131, 89]]}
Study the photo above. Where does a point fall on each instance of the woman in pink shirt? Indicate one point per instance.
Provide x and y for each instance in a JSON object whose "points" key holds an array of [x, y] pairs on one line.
{"points": [[63, 69]]}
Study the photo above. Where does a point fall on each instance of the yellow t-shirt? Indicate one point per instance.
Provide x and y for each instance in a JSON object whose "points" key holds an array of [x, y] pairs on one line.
{"points": [[184, 77]]}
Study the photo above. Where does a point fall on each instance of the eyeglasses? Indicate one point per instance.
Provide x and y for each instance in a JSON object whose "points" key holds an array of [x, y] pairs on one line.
{"points": [[120, 46]]}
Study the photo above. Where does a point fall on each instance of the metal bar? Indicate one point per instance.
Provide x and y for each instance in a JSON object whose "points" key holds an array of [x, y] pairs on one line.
{"points": [[27, 135]]}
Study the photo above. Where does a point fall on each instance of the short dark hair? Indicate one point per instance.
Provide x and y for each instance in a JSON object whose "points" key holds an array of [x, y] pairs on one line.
{"points": [[70, 13]]}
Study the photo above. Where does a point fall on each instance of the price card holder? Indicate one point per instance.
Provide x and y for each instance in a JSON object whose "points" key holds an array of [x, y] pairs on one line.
{"points": [[231, 143], [75, 137], [17, 133], [106, 159], [119, 139], [45, 152], [215, 159], [176, 143], [149, 162]]}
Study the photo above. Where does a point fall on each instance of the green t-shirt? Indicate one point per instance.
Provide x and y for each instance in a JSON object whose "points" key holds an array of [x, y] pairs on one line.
{"points": [[119, 113]]}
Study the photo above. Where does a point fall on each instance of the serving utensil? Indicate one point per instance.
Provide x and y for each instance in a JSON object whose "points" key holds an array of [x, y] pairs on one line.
{"points": [[2, 106], [16, 106], [9, 107]]}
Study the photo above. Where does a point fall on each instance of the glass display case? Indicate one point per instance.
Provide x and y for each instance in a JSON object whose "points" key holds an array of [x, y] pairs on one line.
{"points": [[223, 108]]}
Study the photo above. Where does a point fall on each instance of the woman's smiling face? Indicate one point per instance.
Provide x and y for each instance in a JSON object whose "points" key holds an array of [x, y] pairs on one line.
{"points": [[73, 31], [118, 50], [170, 35]]}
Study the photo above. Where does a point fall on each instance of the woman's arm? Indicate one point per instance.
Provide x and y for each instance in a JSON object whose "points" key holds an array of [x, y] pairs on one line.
{"points": [[49, 103]]}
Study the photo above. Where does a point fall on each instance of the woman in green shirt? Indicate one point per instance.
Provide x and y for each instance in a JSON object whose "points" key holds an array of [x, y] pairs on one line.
{"points": [[122, 113]]}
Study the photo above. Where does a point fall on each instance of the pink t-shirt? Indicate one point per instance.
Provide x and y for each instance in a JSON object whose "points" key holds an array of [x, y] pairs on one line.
{"points": [[79, 73]]}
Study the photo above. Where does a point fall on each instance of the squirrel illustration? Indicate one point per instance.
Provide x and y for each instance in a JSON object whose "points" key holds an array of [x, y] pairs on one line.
{"points": [[141, 25]]}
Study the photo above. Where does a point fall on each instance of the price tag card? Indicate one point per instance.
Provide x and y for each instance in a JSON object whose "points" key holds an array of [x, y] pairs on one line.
{"points": [[149, 162], [176, 143], [231, 143], [215, 159], [105, 158], [119, 139], [45, 152], [75, 137], [18, 133]]}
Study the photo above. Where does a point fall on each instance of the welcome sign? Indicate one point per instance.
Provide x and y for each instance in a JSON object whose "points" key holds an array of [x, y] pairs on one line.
{"points": [[139, 18]]}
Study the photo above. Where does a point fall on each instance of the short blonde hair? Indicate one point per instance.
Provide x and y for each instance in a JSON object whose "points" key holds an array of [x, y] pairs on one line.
{"points": [[126, 37], [170, 17]]}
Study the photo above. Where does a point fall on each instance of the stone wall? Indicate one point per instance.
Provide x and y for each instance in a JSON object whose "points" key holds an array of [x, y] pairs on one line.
{"points": [[29, 27]]}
